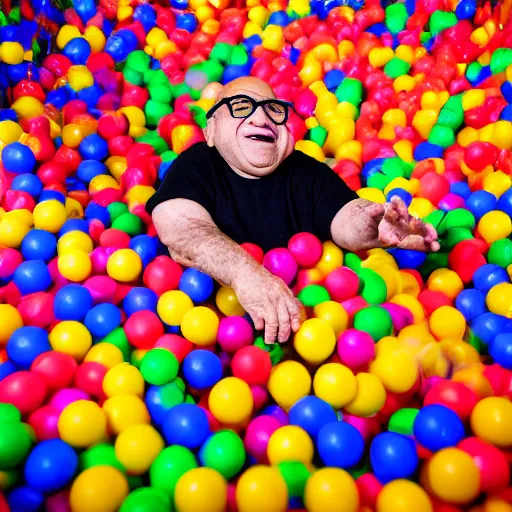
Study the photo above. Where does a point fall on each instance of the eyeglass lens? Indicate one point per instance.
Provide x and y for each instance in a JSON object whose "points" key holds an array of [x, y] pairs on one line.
{"points": [[244, 108]]}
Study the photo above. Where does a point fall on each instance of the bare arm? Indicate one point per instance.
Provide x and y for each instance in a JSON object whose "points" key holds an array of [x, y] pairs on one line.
{"points": [[192, 237]]}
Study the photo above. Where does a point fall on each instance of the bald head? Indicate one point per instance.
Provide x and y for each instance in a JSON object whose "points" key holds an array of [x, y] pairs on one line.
{"points": [[250, 85]]}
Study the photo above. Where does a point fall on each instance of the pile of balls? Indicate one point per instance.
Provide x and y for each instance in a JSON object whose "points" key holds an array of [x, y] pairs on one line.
{"points": [[130, 383]]}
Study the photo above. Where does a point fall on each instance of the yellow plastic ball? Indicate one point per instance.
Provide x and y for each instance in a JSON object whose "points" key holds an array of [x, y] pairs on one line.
{"points": [[227, 302], [452, 476], [370, 396], [82, 424], [288, 444], [334, 314], [231, 401], [315, 340], [106, 354], [11, 52], [123, 379], [261, 488], [96, 38], [28, 107], [124, 265], [74, 241], [412, 304], [491, 420], [50, 215], [445, 281], [200, 325], [499, 299], [98, 488], [11, 320], [75, 265], [447, 322], [79, 77], [12, 231], [137, 447], [331, 490], [66, 34], [332, 258], [494, 225], [9, 131], [336, 384], [201, 490], [124, 411], [71, 337], [288, 382], [172, 306], [474, 379], [398, 371], [403, 496]]}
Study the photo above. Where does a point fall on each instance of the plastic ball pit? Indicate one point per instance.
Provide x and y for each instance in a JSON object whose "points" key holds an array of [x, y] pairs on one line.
{"points": [[128, 382]]}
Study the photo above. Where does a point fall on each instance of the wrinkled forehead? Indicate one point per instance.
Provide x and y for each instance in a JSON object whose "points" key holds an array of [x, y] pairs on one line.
{"points": [[255, 91]]}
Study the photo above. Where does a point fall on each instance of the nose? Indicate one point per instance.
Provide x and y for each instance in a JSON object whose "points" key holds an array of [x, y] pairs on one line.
{"points": [[258, 117]]}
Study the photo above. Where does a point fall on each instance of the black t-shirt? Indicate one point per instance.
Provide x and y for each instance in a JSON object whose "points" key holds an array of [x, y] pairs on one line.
{"points": [[302, 194]]}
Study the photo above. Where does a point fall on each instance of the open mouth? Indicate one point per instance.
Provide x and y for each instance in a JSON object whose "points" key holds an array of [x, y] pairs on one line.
{"points": [[263, 138]]}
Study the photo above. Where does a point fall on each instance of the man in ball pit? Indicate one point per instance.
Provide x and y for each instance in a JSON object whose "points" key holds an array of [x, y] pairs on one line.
{"points": [[246, 183]]}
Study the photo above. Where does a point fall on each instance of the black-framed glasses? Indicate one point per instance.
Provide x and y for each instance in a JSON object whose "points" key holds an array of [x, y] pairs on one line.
{"points": [[242, 107]]}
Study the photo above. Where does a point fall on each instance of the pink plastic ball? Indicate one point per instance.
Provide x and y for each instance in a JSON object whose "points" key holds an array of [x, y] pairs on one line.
{"points": [[25, 390], [428, 383], [257, 436], [58, 502], [235, 332], [353, 305], [143, 329], [10, 260], [451, 202], [56, 368], [44, 422], [36, 309], [99, 258], [162, 274], [178, 345], [58, 279], [281, 263], [306, 248], [369, 488], [355, 348], [89, 378], [64, 397], [342, 284], [368, 427], [400, 315], [101, 288], [260, 396]]}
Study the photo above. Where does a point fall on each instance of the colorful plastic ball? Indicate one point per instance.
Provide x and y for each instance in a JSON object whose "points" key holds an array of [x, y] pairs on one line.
{"points": [[370, 396], [452, 394], [50, 215], [162, 274], [44, 422], [447, 322], [261, 488], [315, 340], [281, 263], [488, 276], [98, 488], [288, 382], [62, 398], [57, 369], [186, 425], [93, 147], [159, 366], [295, 474], [257, 435], [137, 447], [500, 349], [75, 265], [234, 333], [452, 476], [494, 225], [437, 427], [340, 445], [50, 466], [124, 265], [102, 319], [25, 344], [252, 365], [200, 326], [487, 326], [89, 377], [26, 499], [146, 499], [160, 399], [202, 369], [197, 285], [124, 411], [32, 276], [105, 354], [18, 158], [471, 303], [138, 299], [143, 329], [499, 299], [231, 401], [71, 337], [227, 302], [355, 348], [82, 424], [306, 249], [178, 345], [335, 383], [72, 302], [330, 490], [11, 320], [334, 314], [201, 490], [25, 390], [374, 320], [172, 306], [290, 443], [15, 442], [490, 421], [224, 452], [311, 413], [397, 370], [123, 379], [39, 245], [403, 496], [393, 456]]}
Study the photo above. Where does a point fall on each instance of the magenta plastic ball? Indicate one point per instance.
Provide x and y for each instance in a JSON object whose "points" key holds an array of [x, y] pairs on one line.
{"points": [[101, 288], [306, 248], [451, 202], [429, 383], [257, 436], [64, 397], [10, 259], [353, 305], [58, 279], [58, 502], [260, 396], [342, 284], [99, 258], [44, 422], [355, 348], [400, 315], [36, 309], [366, 427], [25, 390], [281, 263], [235, 332]]}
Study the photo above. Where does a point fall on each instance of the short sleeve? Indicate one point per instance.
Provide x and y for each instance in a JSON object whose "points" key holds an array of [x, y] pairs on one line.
{"points": [[189, 177]]}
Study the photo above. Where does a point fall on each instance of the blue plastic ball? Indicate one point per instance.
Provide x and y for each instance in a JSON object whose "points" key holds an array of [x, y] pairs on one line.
{"points": [[407, 258], [471, 303], [6, 369], [488, 276], [186, 425], [311, 414], [340, 445], [481, 202], [48, 195], [505, 202], [102, 319], [405, 196], [393, 456], [51, 466], [461, 188], [139, 299], [89, 169], [146, 15], [485, 327], [465, 9], [77, 50], [276, 412], [25, 499], [18, 158], [500, 349], [38, 244], [96, 211], [25, 344], [202, 369], [161, 399], [86, 9], [74, 225], [32, 276], [28, 183], [186, 21], [426, 150], [93, 147], [333, 78], [437, 427], [196, 285], [72, 302], [146, 247]]}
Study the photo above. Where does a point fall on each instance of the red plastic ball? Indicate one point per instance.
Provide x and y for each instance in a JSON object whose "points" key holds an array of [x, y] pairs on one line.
{"points": [[254, 250], [162, 274], [143, 329], [306, 249], [55, 368], [342, 284], [36, 309], [178, 345], [115, 238], [252, 364], [432, 300], [89, 378], [478, 155], [434, 187], [111, 125], [454, 395], [25, 390], [44, 421]]}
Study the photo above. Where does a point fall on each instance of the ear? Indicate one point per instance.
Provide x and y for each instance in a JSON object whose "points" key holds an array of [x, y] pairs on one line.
{"points": [[209, 132]]}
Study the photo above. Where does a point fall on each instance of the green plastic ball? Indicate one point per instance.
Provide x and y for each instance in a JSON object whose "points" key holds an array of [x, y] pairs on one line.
{"points": [[500, 253], [146, 499], [138, 60], [374, 320], [396, 17], [396, 67], [374, 289], [116, 209], [118, 338], [223, 451], [402, 421], [100, 455], [159, 366], [295, 474], [129, 223], [15, 443], [350, 90], [441, 20], [8, 413], [313, 294]]}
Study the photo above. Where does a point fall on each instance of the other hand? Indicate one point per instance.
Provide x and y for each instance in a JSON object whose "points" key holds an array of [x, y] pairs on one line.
{"points": [[270, 303]]}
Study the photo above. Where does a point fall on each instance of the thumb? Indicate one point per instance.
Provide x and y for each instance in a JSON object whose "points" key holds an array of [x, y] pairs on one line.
{"points": [[375, 210]]}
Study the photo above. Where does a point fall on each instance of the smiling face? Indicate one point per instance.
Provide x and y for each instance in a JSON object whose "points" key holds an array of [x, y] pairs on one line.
{"points": [[252, 147]]}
